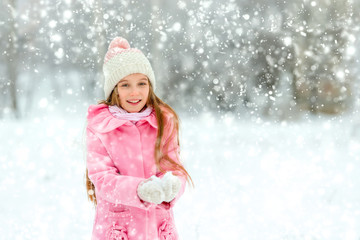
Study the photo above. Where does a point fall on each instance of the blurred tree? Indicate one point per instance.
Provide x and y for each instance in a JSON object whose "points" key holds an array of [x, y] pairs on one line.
{"points": [[10, 32], [322, 33], [272, 86]]}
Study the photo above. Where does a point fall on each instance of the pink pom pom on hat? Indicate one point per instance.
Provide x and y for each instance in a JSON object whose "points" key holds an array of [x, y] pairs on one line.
{"points": [[119, 42], [121, 61]]}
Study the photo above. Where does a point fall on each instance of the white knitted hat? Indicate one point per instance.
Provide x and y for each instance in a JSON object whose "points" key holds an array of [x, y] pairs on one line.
{"points": [[121, 61]]}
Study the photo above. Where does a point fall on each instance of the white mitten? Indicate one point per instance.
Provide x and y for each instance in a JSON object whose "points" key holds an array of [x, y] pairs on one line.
{"points": [[151, 190], [171, 186]]}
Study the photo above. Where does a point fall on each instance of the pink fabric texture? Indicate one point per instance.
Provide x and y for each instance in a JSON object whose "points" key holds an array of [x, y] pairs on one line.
{"points": [[166, 231], [120, 154]]}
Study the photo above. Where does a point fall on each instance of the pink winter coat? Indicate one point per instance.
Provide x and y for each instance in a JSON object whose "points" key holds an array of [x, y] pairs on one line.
{"points": [[120, 154]]}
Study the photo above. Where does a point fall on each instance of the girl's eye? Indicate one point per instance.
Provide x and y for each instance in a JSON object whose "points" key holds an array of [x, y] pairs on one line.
{"points": [[143, 83], [124, 85]]}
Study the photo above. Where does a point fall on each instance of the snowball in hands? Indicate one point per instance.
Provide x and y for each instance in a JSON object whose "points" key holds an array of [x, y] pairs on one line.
{"points": [[156, 190]]}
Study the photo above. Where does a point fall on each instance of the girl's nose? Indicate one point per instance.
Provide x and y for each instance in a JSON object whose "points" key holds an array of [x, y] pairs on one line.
{"points": [[134, 92]]}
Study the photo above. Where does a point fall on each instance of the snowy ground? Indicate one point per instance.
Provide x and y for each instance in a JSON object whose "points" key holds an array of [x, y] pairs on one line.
{"points": [[252, 180]]}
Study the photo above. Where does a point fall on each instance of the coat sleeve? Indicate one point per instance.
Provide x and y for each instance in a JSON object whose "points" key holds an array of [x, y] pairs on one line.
{"points": [[109, 184], [174, 153]]}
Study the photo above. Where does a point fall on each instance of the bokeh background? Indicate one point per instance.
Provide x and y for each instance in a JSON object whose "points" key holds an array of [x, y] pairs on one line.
{"points": [[267, 91]]}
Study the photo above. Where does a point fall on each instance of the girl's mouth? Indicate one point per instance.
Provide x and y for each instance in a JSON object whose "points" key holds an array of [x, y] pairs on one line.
{"points": [[133, 102]]}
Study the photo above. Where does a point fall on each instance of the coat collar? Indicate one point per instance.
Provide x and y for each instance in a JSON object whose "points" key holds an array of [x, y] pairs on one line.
{"points": [[101, 120]]}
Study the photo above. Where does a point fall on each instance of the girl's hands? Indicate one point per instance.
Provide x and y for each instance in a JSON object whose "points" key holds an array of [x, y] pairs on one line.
{"points": [[171, 185], [156, 190], [151, 190]]}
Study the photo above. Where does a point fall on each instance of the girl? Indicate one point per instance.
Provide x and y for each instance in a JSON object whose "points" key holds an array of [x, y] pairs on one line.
{"points": [[134, 174]]}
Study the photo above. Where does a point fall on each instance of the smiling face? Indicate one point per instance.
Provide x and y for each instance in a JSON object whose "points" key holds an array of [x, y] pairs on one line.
{"points": [[133, 92]]}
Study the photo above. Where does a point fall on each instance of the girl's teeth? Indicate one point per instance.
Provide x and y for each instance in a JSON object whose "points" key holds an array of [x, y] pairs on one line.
{"points": [[134, 101]]}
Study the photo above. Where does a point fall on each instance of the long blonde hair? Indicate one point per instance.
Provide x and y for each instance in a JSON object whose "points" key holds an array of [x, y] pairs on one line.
{"points": [[161, 159]]}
